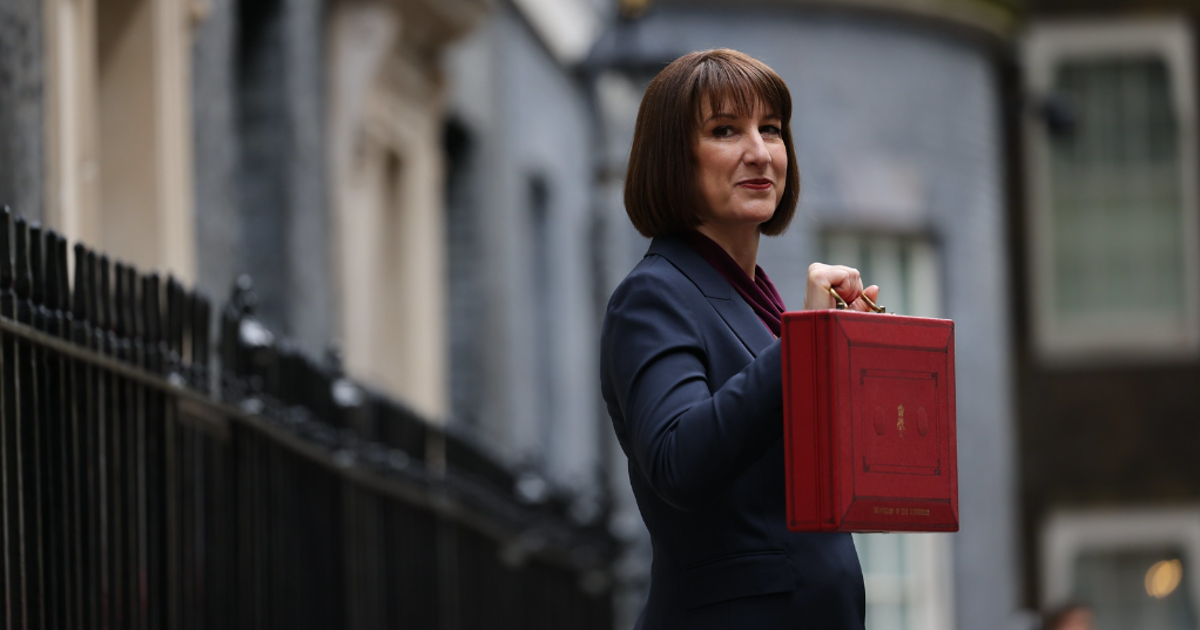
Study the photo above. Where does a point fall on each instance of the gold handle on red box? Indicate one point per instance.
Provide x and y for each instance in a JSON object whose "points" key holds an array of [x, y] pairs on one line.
{"points": [[842, 305]]}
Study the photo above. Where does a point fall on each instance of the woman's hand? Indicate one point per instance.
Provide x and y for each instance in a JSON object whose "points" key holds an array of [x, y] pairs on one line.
{"points": [[844, 280]]}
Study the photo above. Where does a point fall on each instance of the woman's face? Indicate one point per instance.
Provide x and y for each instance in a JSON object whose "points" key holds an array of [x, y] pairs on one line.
{"points": [[741, 166]]}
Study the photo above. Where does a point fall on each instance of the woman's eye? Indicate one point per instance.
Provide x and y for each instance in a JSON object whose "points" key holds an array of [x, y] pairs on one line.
{"points": [[724, 131], [770, 130]]}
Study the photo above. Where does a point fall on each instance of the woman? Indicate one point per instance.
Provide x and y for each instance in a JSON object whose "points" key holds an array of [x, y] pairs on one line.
{"points": [[690, 358]]}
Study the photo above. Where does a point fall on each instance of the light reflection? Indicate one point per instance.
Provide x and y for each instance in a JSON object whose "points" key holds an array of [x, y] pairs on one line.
{"points": [[1163, 578]]}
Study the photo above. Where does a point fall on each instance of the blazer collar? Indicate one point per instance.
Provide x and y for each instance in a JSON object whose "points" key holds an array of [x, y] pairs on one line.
{"points": [[728, 303]]}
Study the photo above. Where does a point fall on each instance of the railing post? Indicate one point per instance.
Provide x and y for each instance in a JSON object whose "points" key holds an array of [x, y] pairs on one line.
{"points": [[173, 331], [26, 393], [61, 456], [82, 430], [10, 444], [201, 321], [50, 428]]}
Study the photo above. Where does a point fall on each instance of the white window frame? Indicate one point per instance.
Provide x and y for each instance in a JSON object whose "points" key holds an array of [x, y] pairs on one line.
{"points": [[387, 223], [927, 589], [843, 242], [1120, 338], [1068, 533], [160, 233]]}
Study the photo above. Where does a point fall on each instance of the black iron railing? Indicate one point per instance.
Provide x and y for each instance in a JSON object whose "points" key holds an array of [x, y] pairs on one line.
{"points": [[144, 485]]}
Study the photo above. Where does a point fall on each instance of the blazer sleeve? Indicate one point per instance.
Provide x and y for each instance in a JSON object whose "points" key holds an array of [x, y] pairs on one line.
{"points": [[689, 441]]}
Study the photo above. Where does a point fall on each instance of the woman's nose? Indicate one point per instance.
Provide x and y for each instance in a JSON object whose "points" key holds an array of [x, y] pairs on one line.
{"points": [[756, 151]]}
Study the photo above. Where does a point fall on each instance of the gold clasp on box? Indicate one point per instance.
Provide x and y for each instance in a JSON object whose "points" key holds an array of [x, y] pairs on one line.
{"points": [[842, 305]]}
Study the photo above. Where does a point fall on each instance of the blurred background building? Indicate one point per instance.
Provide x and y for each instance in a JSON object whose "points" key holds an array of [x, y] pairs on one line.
{"points": [[1106, 308], [437, 184]]}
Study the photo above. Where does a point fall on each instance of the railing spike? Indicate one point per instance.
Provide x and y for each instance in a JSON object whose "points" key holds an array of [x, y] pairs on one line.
{"points": [[187, 341], [92, 299], [134, 303], [79, 302], [107, 320], [173, 328], [53, 296], [100, 314], [37, 265], [201, 323], [230, 378], [7, 275], [57, 273], [152, 309], [120, 295], [23, 278]]}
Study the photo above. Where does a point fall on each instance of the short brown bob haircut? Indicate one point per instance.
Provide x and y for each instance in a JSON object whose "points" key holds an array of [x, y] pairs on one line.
{"points": [[661, 194]]}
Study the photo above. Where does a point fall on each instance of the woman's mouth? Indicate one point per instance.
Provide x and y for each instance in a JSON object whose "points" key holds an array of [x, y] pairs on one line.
{"points": [[755, 184]]}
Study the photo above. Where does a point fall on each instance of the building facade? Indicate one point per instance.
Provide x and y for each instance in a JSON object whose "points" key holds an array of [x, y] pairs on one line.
{"points": [[438, 186], [521, 141], [297, 141], [1106, 258]]}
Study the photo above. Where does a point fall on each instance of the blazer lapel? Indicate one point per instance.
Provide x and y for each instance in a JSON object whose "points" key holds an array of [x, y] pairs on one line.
{"points": [[728, 303]]}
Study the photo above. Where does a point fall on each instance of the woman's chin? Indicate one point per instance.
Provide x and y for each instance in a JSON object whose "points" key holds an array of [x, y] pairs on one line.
{"points": [[735, 218], [758, 216]]}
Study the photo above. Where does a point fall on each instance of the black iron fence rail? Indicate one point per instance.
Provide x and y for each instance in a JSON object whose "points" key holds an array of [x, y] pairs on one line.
{"points": [[143, 485]]}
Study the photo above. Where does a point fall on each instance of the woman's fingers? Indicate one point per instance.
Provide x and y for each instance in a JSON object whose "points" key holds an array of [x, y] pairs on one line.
{"points": [[822, 277], [872, 293]]}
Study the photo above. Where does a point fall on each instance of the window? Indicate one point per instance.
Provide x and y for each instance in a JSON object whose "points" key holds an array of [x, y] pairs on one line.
{"points": [[388, 219], [391, 272], [907, 579], [1112, 230], [465, 281], [907, 575], [542, 323], [119, 135], [1136, 568], [905, 268]]}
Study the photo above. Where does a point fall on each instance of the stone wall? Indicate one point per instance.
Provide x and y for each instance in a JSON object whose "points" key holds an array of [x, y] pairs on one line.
{"points": [[524, 337], [215, 138], [1101, 435], [22, 130]]}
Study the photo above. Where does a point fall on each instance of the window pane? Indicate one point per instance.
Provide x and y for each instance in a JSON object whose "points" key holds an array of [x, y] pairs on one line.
{"points": [[882, 554], [904, 267], [1116, 192], [1147, 589], [889, 575]]}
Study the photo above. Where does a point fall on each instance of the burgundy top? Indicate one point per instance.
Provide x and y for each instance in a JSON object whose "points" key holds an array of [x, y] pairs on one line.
{"points": [[759, 293]]}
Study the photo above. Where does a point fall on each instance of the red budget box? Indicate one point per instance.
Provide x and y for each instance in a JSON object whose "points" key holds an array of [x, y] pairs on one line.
{"points": [[869, 422]]}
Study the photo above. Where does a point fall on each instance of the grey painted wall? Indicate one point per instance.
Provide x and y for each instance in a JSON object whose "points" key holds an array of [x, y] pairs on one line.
{"points": [[531, 124], [309, 282], [281, 176], [22, 128], [214, 134], [897, 128], [261, 187]]}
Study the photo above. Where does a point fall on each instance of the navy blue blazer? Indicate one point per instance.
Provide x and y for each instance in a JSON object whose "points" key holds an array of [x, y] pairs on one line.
{"points": [[693, 383]]}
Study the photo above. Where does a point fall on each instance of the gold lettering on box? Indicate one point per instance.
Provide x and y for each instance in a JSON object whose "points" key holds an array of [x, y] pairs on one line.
{"points": [[890, 511], [900, 419]]}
